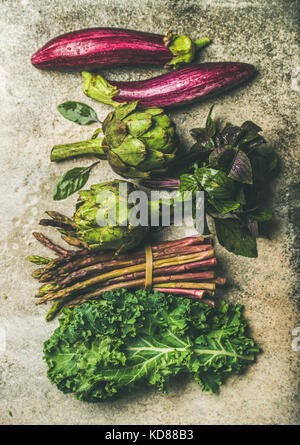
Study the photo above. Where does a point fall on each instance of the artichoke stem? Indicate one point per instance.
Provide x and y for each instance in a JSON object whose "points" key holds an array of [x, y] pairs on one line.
{"points": [[89, 147]]}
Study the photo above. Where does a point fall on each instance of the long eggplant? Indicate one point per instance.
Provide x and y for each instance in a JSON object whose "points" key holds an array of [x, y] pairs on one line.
{"points": [[90, 49], [175, 88]]}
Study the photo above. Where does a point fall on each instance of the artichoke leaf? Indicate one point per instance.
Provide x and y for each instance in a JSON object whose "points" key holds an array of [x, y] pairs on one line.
{"points": [[132, 151], [155, 111], [126, 171], [115, 133], [123, 111], [163, 121], [106, 121], [116, 163], [153, 161], [156, 138], [170, 145], [138, 123]]}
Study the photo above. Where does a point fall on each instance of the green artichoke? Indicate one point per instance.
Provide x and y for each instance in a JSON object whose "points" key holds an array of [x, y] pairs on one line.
{"points": [[95, 206], [136, 143], [117, 215], [101, 218]]}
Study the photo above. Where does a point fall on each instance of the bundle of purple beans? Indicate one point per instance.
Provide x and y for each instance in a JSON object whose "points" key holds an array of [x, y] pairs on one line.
{"points": [[182, 267]]}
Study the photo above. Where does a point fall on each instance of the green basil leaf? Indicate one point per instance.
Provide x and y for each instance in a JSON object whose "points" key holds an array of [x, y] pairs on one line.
{"points": [[240, 197], [215, 182], [78, 112], [261, 215], [264, 165], [71, 181], [272, 164], [224, 205], [188, 183], [236, 237]]}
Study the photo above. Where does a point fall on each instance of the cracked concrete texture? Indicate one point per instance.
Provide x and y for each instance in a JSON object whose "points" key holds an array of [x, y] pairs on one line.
{"points": [[260, 32]]}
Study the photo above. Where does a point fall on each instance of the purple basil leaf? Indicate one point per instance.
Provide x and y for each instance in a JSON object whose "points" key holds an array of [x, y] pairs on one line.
{"points": [[241, 170], [231, 134], [221, 157], [251, 145], [250, 127], [199, 134], [218, 140], [216, 154]]}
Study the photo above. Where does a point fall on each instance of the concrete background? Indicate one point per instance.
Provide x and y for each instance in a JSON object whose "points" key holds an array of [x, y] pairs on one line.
{"points": [[260, 32]]}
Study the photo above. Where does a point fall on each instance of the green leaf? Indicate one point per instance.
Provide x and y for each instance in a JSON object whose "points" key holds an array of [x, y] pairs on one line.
{"points": [[235, 237], [188, 183], [261, 215], [215, 182], [106, 347], [224, 205], [72, 181], [78, 112], [132, 151], [210, 125], [253, 227], [125, 109], [272, 164], [264, 166], [240, 196], [96, 133]]}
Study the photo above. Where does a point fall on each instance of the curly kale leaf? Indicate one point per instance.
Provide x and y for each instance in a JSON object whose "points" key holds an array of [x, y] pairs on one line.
{"points": [[105, 347]]}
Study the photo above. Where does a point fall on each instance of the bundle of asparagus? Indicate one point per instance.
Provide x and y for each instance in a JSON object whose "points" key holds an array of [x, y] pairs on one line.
{"points": [[182, 267]]}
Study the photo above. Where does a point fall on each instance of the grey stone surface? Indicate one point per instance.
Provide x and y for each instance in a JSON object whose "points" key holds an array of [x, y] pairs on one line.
{"points": [[261, 32]]}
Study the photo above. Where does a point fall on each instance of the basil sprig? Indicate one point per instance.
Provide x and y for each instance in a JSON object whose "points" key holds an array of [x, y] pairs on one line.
{"points": [[78, 112], [230, 165], [72, 181]]}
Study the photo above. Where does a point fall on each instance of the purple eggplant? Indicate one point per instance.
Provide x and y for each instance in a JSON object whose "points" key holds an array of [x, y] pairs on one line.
{"points": [[90, 49], [183, 86]]}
